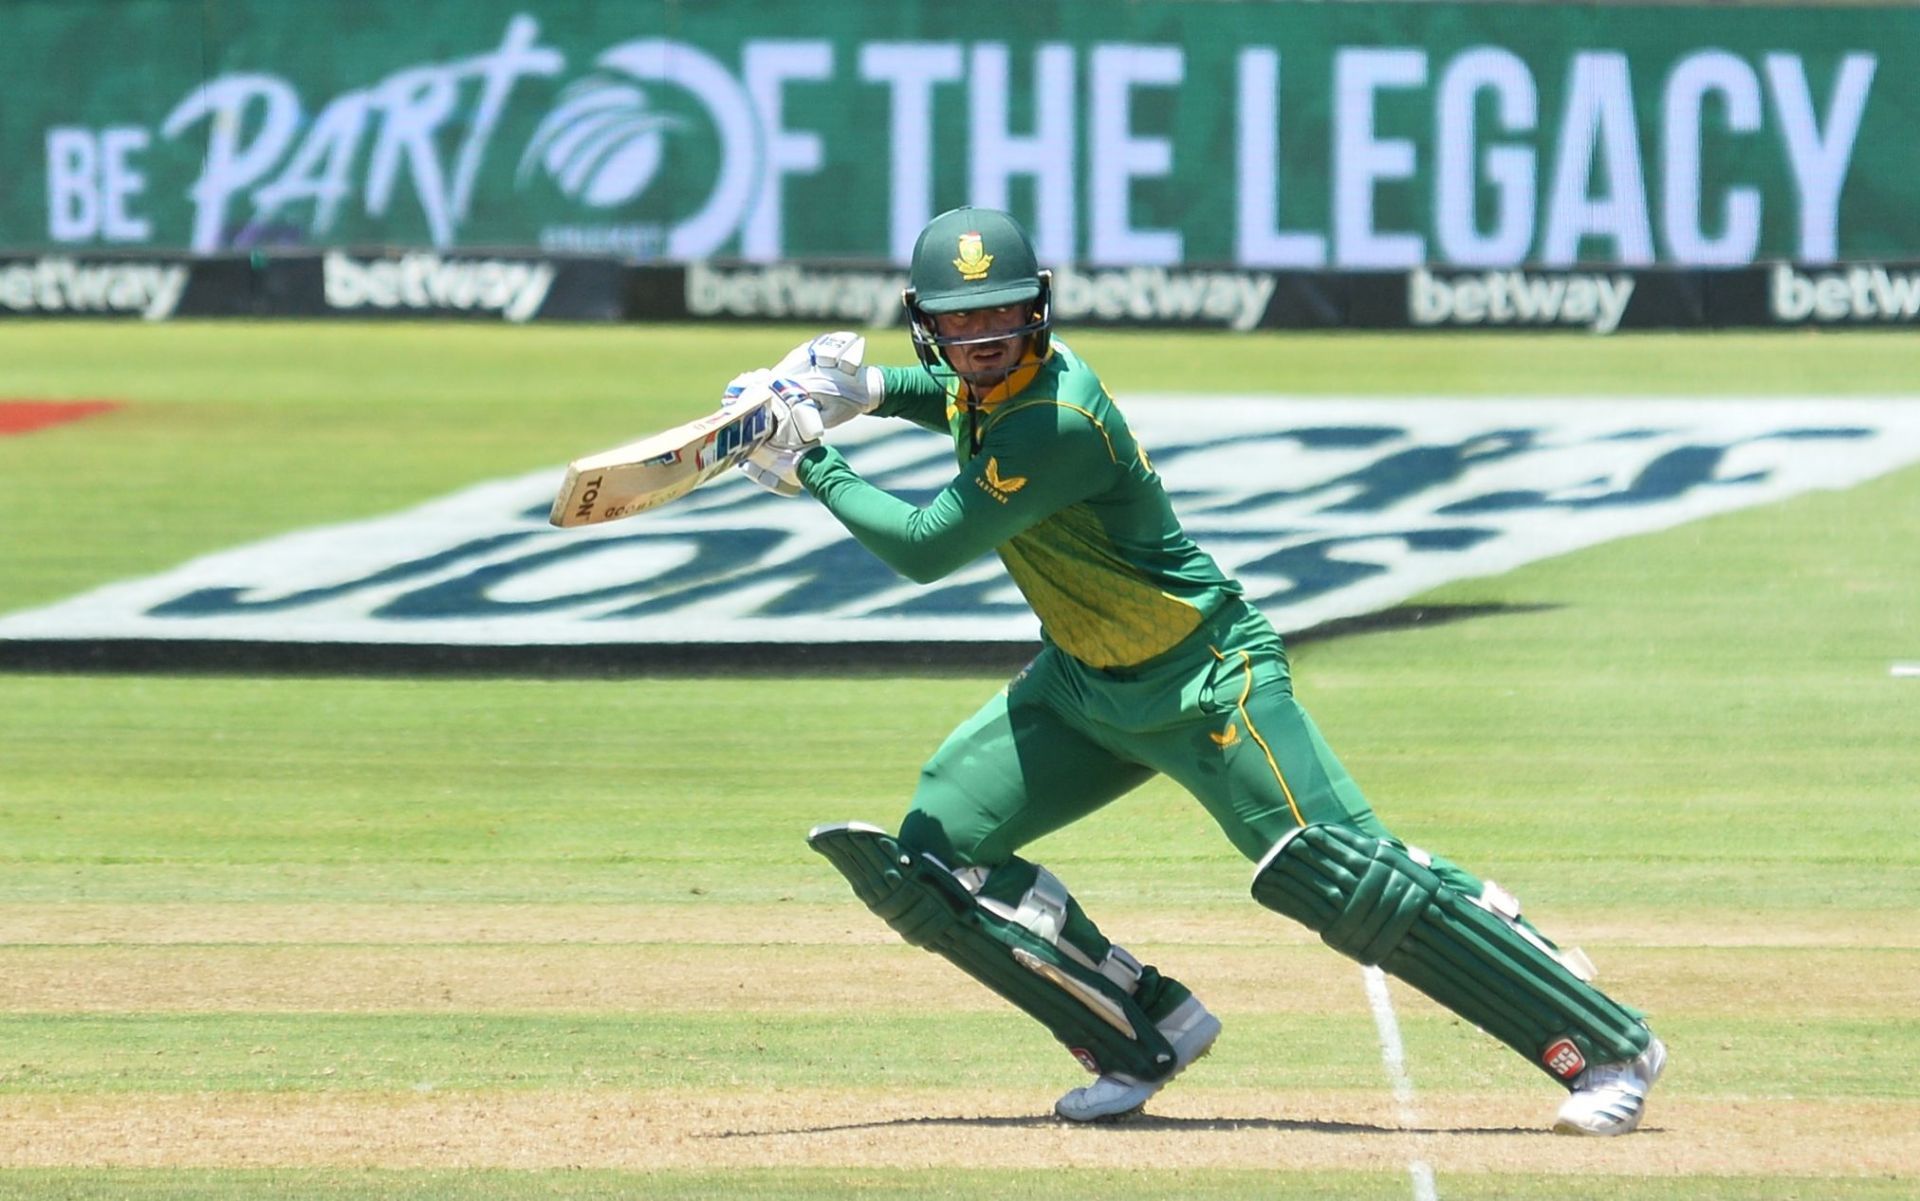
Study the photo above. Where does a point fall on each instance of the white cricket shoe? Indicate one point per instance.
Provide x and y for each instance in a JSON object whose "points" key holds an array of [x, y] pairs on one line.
{"points": [[1609, 1098], [1191, 1030]]}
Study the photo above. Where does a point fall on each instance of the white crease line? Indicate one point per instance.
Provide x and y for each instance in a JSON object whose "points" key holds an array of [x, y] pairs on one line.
{"points": [[1393, 1053]]}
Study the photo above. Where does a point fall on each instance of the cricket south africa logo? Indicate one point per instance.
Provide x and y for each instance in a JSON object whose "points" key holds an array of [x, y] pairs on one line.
{"points": [[601, 145], [610, 143], [974, 261]]}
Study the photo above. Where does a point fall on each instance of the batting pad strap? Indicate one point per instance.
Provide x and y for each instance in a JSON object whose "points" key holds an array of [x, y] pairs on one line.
{"points": [[1372, 901], [1044, 909], [1099, 1021], [1123, 969]]}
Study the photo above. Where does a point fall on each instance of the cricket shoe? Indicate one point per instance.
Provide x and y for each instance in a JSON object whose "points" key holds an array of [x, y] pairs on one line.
{"points": [[1191, 1030], [1610, 1098]]}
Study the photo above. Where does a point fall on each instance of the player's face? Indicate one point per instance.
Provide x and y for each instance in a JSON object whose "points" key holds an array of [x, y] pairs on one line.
{"points": [[992, 359]]}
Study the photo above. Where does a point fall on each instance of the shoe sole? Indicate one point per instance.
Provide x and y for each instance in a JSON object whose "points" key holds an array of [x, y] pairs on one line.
{"points": [[1577, 1131], [1123, 1115], [1105, 1119]]}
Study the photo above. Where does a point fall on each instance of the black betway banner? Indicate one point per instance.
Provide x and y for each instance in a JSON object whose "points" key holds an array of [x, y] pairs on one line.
{"points": [[518, 287], [1860, 294], [336, 283], [1599, 300], [431, 284], [154, 287], [1225, 298], [1605, 300]]}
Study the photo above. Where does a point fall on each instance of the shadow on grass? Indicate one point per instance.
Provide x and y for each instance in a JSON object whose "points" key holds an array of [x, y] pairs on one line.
{"points": [[213, 656], [1139, 1122]]}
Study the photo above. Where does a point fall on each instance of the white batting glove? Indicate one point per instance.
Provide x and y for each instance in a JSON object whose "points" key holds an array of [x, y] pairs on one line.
{"points": [[746, 388], [830, 368], [797, 426]]}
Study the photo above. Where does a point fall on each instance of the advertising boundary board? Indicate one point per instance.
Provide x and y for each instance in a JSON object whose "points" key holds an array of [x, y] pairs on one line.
{"points": [[516, 287], [382, 284], [1597, 299]]}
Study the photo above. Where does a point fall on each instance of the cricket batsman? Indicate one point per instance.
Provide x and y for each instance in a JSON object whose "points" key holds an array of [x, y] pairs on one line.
{"points": [[1151, 662]]}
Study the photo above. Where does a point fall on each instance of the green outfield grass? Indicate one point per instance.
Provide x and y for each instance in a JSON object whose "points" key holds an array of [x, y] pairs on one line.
{"points": [[1731, 1054], [1685, 733]]}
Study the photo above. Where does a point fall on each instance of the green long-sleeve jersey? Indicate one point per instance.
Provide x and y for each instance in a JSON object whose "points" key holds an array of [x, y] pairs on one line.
{"points": [[1061, 490]]}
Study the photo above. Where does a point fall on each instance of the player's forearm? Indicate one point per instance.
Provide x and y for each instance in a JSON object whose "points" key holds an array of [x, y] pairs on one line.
{"points": [[922, 544], [914, 394]]}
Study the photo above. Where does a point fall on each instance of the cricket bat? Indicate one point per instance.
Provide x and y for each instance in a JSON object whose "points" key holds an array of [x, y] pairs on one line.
{"points": [[655, 470]]}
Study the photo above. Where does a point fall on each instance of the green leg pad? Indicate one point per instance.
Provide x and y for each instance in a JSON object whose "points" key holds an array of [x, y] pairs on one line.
{"points": [[1102, 1024], [1372, 901]]}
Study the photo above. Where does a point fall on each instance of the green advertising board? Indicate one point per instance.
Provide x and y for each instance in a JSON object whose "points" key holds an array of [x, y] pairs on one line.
{"points": [[1350, 136]]}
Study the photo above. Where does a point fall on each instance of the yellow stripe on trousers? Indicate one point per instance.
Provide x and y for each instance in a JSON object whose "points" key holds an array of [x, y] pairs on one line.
{"points": [[1246, 688]]}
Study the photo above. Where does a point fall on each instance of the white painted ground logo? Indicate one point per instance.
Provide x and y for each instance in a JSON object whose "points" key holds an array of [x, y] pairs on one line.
{"points": [[1322, 508]]}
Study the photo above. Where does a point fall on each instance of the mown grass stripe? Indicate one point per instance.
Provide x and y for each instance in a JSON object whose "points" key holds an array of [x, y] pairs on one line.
{"points": [[59, 1053], [562, 978]]}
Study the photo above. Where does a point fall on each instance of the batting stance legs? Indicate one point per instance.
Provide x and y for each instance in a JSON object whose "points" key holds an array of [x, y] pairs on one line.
{"points": [[1218, 716], [952, 883]]}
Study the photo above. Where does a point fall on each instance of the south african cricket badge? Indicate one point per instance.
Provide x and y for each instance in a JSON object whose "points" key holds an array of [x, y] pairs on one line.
{"points": [[974, 261]]}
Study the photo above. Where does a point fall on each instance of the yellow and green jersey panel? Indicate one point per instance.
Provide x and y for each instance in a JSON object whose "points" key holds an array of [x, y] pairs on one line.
{"points": [[1062, 491]]}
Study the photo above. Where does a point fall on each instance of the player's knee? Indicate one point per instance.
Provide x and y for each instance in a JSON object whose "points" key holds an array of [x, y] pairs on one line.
{"points": [[951, 844], [923, 833]]}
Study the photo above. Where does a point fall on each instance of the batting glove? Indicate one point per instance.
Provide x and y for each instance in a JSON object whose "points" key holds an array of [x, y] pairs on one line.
{"points": [[746, 388], [830, 368], [797, 426]]}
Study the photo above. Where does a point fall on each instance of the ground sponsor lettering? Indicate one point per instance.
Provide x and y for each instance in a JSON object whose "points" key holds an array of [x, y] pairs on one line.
{"points": [[1324, 509]]}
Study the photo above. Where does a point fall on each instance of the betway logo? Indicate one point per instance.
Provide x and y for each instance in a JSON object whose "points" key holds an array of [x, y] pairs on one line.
{"points": [[1856, 294], [785, 292], [61, 285], [1234, 299], [1519, 298], [514, 289]]}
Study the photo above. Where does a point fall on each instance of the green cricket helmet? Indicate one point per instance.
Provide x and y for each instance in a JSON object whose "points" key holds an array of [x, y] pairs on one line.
{"points": [[974, 258]]}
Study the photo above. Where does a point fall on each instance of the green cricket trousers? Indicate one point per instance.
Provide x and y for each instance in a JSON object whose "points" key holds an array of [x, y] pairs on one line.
{"points": [[1215, 714]]}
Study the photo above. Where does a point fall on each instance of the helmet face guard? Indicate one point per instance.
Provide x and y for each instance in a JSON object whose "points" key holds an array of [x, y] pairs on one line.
{"points": [[931, 346]]}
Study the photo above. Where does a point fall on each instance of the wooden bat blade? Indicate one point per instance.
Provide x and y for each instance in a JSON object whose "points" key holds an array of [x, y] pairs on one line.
{"points": [[657, 469]]}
